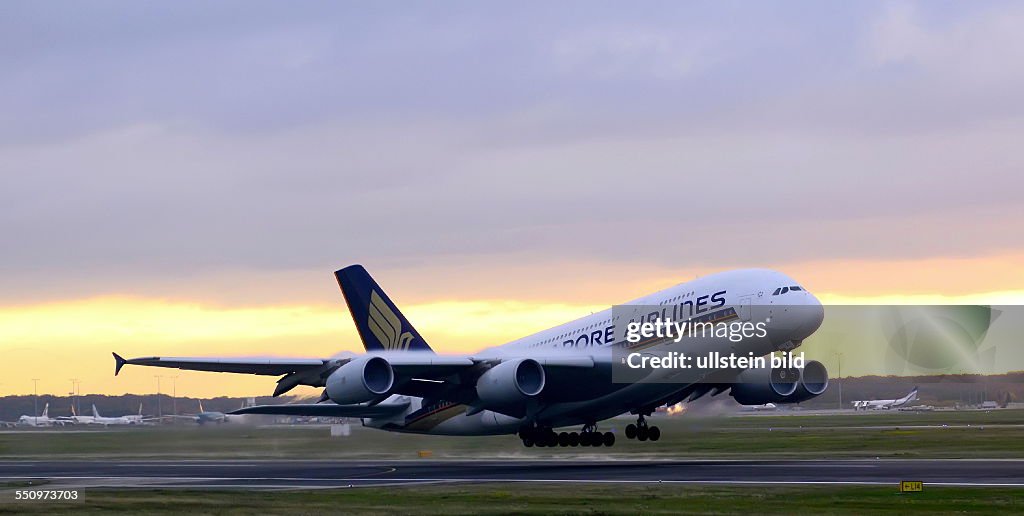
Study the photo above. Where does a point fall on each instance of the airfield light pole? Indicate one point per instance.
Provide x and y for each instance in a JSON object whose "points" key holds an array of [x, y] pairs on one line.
{"points": [[839, 381], [35, 399], [159, 407], [174, 395], [74, 395]]}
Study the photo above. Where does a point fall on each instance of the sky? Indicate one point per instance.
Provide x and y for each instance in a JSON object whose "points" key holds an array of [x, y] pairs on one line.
{"points": [[183, 178]]}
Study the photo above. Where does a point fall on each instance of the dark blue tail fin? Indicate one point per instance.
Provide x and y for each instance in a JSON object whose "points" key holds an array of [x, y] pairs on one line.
{"points": [[381, 325]]}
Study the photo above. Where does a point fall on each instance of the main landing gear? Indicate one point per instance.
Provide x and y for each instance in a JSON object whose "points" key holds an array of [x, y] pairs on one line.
{"points": [[545, 436], [641, 432]]}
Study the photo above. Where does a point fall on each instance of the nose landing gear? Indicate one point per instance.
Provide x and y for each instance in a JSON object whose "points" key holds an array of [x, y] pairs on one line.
{"points": [[641, 432]]}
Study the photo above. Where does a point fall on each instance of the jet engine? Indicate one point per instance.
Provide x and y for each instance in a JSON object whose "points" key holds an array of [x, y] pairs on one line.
{"points": [[813, 381], [765, 385], [360, 380], [510, 382]]}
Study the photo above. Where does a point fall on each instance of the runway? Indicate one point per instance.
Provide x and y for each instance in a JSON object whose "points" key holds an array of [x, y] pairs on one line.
{"points": [[319, 474]]}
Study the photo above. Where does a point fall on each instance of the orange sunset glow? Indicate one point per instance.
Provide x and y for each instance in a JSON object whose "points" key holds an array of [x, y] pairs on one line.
{"points": [[73, 338]]}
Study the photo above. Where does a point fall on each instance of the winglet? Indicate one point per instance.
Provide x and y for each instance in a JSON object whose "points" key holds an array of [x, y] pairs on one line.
{"points": [[119, 362]]}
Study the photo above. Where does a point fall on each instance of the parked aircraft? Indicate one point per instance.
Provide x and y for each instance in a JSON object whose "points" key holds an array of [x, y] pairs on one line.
{"points": [[43, 419], [76, 419], [886, 404], [760, 408], [208, 416], [130, 419]]}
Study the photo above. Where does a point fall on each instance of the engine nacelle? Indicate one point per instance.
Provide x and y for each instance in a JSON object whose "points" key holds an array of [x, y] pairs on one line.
{"points": [[510, 382], [813, 381], [765, 385], [360, 380]]}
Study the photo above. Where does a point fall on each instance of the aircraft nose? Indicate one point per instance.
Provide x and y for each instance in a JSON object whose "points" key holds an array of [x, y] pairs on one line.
{"points": [[813, 314]]}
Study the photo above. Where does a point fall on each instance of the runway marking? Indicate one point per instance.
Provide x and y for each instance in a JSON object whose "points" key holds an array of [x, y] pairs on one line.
{"points": [[580, 459], [180, 482]]}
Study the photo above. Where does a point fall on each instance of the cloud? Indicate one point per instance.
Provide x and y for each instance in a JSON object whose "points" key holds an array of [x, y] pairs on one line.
{"points": [[149, 149], [619, 52]]}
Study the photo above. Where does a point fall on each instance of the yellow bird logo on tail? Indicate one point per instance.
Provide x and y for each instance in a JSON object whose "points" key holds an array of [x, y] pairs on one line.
{"points": [[386, 325]]}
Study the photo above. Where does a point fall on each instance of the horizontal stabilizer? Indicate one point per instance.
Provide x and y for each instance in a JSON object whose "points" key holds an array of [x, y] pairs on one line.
{"points": [[119, 362], [326, 410]]}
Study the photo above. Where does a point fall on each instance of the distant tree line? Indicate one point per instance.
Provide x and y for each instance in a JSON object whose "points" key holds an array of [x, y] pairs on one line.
{"points": [[936, 390], [12, 407], [947, 390]]}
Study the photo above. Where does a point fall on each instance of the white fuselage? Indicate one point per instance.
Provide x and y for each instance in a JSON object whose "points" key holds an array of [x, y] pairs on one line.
{"points": [[129, 419], [36, 421], [122, 420], [748, 295]]}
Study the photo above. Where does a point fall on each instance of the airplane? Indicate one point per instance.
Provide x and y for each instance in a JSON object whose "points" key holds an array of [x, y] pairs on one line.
{"points": [[75, 419], [886, 404], [561, 377], [43, 419], [760, 408], [207, 416], [129, 419]]}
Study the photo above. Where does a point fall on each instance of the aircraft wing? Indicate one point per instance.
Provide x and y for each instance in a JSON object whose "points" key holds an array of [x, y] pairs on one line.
{"points": [[411, 364], [264, 366], [326, 410], [420, 371]]}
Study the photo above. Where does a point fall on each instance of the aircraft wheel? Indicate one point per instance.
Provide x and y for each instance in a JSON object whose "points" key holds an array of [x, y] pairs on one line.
{"points": [[563, 439], [552, 439], [631, 431], [574, 439], [641, 433], [609, 439], [527, 442], [654, 433]]}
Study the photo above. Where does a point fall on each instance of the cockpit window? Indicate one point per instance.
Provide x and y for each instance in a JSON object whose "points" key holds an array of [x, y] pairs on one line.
{"points": [[784, 290], [777, 291], [795, 288]]}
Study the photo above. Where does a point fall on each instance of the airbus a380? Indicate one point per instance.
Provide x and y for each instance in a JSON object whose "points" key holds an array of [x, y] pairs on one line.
{"points": [[557, 378]]}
